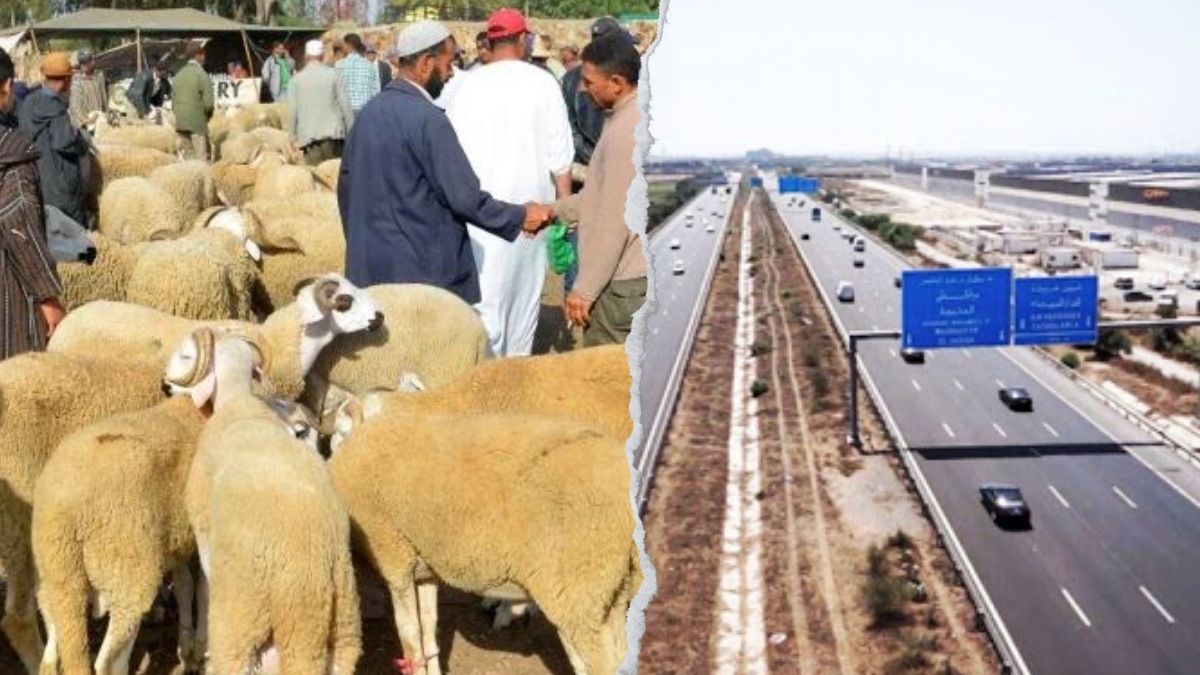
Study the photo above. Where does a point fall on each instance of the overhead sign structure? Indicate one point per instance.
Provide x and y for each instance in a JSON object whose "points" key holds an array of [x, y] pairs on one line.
{"points": [[1055, 310], [956, 308]]}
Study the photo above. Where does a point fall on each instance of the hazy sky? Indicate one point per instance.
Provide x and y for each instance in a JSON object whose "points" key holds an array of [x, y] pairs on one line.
{"points": [[926, 76]]}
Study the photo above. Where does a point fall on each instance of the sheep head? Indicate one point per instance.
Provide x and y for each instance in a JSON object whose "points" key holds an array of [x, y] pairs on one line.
{"points": [[192, 368], [234, 221], [331, 299]]}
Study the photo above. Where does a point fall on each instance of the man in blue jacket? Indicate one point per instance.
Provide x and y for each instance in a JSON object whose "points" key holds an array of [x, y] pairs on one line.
{"points": [[407, 190]]}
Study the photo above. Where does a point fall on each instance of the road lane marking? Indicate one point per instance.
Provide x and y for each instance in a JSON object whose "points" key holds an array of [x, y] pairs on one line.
{"points": [[959, 385], [918, 388], [999, 430], [949, 431], [967, 352], [1050, 429], [1124, 497], [1075, 606], [874, 327], [1060, 497], [862, 309], [999, 384], [893, 351], [1157, 605]]}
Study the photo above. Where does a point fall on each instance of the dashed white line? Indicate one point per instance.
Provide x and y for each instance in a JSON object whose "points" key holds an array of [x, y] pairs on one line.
{"points": [[893, 351], [1075, 606], [1157, 604], [949, 431], [916, 386], [1050, 429], [959, 385], [1124, 497], [999, 384], [967, 352], [1060, 497], [999, 430]]}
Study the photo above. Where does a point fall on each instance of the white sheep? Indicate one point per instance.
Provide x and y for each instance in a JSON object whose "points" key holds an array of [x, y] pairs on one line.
{"points": [[563, 538], [295, 335], [46, 396], [272, 534], [240, 148], [235, 182], [122, 161], [300, 237], [161, 138], [109, 521], [189, 183], [281, 182], [133, 208]]}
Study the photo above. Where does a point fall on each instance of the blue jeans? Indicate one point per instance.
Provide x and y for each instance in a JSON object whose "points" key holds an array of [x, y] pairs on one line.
{"points": [[573, 270]]}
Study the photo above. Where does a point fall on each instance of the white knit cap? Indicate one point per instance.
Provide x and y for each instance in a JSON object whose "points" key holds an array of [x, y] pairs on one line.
{"points": [[314, 48], [420, 36]]}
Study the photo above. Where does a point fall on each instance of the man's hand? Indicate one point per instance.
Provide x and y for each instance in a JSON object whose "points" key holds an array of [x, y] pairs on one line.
{"points": [[536, 217], [577, 309], [53, 313]]}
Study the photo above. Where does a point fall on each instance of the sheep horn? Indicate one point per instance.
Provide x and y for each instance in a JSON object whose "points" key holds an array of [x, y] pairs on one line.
{"points": [[163, 234], [205, 343], [325, 293], [300, 285], [207, 215]]}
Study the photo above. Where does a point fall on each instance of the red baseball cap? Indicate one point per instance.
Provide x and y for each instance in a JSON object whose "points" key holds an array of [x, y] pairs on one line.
{"points": [[505, 22]]}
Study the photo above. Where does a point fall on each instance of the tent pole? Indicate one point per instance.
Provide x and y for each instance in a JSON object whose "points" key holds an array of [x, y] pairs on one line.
{"points": [[138, 37], [249, 58]]}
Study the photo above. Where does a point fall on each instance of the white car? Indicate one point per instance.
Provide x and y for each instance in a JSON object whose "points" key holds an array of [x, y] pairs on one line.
{"points": [[845, 291], [710, 228], [1193, 283], [675, 244], [678, 268], [1158, 284]]}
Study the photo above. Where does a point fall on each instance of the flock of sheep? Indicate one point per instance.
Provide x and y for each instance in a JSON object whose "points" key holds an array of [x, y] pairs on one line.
{"points": [[177, 425]]}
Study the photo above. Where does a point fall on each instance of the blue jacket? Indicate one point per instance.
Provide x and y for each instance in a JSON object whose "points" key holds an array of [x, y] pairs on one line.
{"points": [[406, 192]]}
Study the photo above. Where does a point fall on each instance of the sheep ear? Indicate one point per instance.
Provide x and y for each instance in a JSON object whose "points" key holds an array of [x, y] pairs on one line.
{"points": [[310, 309], [203, 392], [163, 235], [410, 382], [223, 198], [253, 250], [206, 216], [284, 244]]}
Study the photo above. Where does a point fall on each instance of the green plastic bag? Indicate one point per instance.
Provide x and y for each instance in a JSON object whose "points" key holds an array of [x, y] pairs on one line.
{"points": [[562, 253]]}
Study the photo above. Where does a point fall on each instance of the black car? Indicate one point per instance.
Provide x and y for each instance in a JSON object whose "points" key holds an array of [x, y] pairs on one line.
{"points": [[804, 236], [911, 355], [1138, 296], [1016, 398], [859, 262], [897, 282], [1124, 283], [1005, 503]]}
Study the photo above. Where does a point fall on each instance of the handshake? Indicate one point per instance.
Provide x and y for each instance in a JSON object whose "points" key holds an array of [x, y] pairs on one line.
{"points": [[537, 216]]}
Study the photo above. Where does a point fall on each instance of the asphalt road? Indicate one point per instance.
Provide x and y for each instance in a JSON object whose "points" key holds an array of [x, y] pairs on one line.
{"points": [[1106, 580], [679, 301]]}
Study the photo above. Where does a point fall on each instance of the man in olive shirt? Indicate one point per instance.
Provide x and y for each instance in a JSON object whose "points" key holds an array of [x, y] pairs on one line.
{"points": [[611, 286], [192, 103]]}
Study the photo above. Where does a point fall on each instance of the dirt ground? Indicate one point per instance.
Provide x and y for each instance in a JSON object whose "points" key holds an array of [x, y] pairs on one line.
{"points": [[822, 502]]}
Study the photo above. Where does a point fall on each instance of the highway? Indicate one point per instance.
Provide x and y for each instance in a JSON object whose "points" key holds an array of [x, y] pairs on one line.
{"points": [[680, 300], [1107, 580]]}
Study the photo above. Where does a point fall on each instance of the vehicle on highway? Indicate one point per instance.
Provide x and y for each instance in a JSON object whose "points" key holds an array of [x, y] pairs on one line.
{"points": [[710, 228], [675, 244], [858, 261], [836, 227], [1016, 398], [816, 215], [845, 291], [678, 269], [1124, 283], [860, 245], [897, 282], [1005, 503], [1138, 296], [912, 355], [804, 236], [1157, 284], [1192, 284]]}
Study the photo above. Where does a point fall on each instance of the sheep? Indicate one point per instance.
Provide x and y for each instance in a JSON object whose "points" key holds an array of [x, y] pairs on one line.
{"points": [[160, 138], [109, 519], [294, 336], [272, 534], [132, 208], [327, 173], [45, 396], [246, 119], [189, 183], [235, 182], [281, 182], [587, 386], [299, 239], [207, 274], [67, 240], [432, 334], [121, 161], [240, 147], [563, 538]]}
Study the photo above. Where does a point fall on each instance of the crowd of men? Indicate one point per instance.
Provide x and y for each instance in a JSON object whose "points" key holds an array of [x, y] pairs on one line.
{"points": [[440, 183]]}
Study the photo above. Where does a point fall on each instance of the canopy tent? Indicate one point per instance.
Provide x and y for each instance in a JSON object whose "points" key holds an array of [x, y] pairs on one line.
{"points": [[97, 23]]}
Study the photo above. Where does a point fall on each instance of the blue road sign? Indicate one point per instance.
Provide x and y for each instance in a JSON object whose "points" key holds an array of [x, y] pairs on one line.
{"points": [[1055, 310], [956, 308]]}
